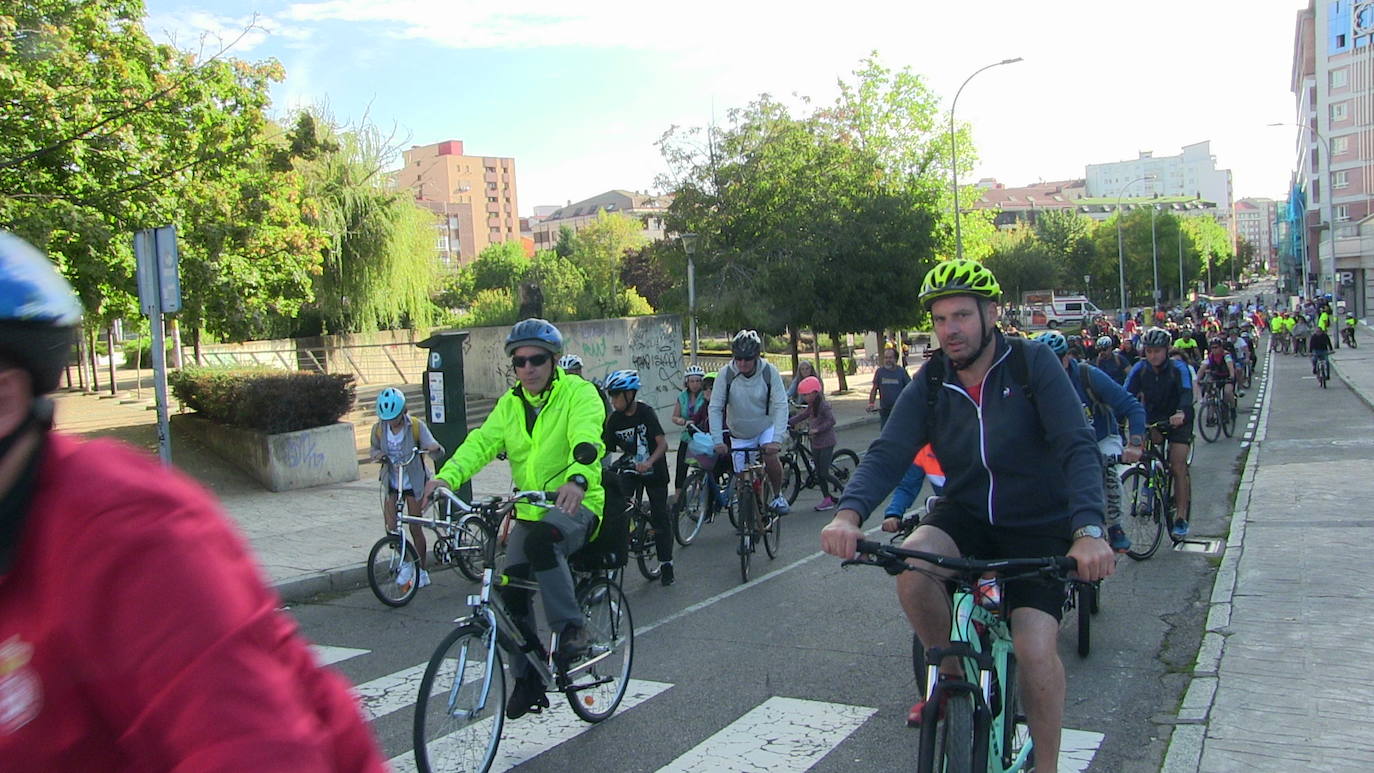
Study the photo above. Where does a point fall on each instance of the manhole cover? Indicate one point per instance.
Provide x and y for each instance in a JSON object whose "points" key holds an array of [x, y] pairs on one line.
{"points": [[1208, 547]]}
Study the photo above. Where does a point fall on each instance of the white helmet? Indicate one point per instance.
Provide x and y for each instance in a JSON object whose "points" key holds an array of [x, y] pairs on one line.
{"points": [[570, 362], [694, 370]]}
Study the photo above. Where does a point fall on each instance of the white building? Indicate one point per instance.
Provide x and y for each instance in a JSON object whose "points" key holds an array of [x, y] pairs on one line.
{"points": [[1257, 223], [649, 209], [1192, 173]]}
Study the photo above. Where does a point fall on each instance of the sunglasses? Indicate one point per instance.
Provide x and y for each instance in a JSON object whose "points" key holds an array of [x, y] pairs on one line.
{"points": [[534, 360]]}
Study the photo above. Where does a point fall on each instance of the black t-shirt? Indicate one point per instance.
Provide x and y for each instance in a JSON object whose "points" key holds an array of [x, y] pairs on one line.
{"points": [[637, 436]]}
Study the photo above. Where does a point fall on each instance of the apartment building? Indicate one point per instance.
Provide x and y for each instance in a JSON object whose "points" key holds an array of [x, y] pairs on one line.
{"points": [[474, 197], [1192, 174], [1257, 223], [648, 208]]}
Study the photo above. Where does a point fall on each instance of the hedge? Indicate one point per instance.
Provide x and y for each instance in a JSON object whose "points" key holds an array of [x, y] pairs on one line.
{"points": [[272, 401], [132, 348]]}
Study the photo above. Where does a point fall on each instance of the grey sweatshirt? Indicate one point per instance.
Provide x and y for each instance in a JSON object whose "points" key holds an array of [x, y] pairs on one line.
{"points": [[750, 412]]}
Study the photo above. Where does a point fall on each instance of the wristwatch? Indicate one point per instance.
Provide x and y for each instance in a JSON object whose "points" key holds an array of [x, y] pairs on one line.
{"points": [[1091, 530], [581, 480]]}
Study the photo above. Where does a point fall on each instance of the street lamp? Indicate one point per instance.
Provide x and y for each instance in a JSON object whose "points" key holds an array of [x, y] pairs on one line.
{"points": [[1120, 249], [1154, 249], [1330, 212], [689, 246], [954, 154]]}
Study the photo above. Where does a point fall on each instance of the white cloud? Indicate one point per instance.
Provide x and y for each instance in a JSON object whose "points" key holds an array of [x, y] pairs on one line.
{"points": [[207, 32]]}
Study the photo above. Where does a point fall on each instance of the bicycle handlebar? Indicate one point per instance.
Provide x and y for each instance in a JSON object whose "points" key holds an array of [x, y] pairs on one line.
{"points": [[890, 557], [538, 498]]}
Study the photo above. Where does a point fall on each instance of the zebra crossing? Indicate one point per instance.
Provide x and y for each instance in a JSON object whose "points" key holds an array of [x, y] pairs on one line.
{"points": [[780, 735]]}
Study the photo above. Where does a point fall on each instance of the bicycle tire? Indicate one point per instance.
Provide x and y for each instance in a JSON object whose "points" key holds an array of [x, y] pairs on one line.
{"points": [[747, 506], [842, 467], [772, 536], [954, 736], [690, 509], [384, 565], [611, 630], [791, 478], [475, 547], [447, 736], [1015, 731], [1209, 421], [1083, 603], [1097, 597], [642, 543], [1141, 518], [1227, 414]]}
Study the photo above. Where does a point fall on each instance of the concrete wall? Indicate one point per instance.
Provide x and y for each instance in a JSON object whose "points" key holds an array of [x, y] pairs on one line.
{"points": [[283, 462]]}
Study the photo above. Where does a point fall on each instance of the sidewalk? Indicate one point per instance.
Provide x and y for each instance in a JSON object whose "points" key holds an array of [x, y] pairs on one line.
{"points": [[1282, 680], [312, 540]]}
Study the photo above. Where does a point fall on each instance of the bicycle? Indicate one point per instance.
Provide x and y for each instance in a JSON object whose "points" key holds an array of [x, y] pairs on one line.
{"points": [[461, 708], [755, 519], [983, 727], [1215, 415], [1348, 337], [1323, 370], [642, 545], [468, 544], [1147, 498], [694, 509], [799, 456]]}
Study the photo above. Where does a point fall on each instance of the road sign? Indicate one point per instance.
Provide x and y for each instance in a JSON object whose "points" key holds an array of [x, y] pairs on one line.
{"points": [[159, 282]]}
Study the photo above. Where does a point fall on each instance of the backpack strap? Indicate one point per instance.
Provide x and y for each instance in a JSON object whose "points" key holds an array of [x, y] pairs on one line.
{"points": [[764, 365], [934, 371], [1085, 378], [1020, 371]]}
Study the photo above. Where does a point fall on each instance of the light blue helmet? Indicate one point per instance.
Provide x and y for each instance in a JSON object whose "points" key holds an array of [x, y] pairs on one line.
{"points": [[390, 403], [535, 332], [623, 381], [1055, 340], [39, 313]]}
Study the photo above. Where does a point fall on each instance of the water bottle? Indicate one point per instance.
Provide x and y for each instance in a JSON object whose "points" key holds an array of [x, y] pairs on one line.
{"points": [[989, 593]]}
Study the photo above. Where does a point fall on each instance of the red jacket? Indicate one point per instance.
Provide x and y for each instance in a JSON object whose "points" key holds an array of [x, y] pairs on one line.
{"points": [[136, 634]]}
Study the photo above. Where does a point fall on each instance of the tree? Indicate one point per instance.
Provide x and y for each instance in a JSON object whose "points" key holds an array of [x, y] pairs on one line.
{"points": [[561, 281], [565, 245], [599, 250], [646, 271], [501, 266], [1022, 263]]}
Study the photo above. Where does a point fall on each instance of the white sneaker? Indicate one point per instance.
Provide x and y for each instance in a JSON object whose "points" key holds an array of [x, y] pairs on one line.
{"points": [[779, 505], [406, 574], [424, 578]]}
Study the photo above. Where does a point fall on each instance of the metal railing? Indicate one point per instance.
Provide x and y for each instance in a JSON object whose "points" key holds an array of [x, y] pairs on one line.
{"points": [[368, 363]]}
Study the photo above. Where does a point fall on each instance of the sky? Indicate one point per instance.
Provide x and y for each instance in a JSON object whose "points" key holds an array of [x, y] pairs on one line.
{"points": [[578, 93]]}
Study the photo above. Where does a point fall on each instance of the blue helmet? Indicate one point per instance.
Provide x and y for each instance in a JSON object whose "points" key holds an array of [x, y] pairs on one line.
{"points": [[39, 313], [1056, 341], [535, 332], [390, 403], [623, 381]]}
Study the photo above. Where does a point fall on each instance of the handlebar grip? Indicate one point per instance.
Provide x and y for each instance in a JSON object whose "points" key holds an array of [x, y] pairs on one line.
{"points": [[1066, 563], [868, 546]]}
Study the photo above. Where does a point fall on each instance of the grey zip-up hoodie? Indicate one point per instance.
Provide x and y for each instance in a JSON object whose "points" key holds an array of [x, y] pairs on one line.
{"points": [[999, 458], [750, 411]]}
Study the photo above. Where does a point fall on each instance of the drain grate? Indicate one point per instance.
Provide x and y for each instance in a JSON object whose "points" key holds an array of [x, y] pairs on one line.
{"points": [[1207, 547]]}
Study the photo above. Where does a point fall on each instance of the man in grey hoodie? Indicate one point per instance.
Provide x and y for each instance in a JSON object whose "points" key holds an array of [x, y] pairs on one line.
{"points": [[750, 401]]}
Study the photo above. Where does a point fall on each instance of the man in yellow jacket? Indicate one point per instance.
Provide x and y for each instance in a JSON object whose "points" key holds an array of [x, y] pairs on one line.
{"points": [[537, 424]]}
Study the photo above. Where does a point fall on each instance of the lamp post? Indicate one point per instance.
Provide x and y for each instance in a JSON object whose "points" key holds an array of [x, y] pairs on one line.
{"points": [[1154, 249], [1330, 213], [1120, 249], [954, 154], [689, 246], [1182, 296]]}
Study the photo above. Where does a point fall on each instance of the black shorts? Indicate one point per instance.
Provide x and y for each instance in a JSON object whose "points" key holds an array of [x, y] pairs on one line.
{"points": [[1183, 433], [976, 538]]}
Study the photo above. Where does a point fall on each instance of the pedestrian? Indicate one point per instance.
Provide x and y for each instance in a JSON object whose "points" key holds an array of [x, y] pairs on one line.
{"points": [[888, 382], [804, 370], [822, 422]]}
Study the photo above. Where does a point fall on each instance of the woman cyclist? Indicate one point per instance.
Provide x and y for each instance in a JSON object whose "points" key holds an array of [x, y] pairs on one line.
{"points": [[691, 407]]}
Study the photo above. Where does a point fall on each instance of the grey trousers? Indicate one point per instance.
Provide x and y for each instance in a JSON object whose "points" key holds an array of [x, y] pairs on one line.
{"points": [[555, 585]]}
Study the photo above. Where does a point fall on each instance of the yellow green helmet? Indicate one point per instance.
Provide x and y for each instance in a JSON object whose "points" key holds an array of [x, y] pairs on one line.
{"points": [[959, 277]]}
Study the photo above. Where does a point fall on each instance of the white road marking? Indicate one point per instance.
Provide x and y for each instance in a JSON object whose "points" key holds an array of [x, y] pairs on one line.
{"points": [[779, 735], [1077, 748], [389, 693], [327, 655], [533, 734]]}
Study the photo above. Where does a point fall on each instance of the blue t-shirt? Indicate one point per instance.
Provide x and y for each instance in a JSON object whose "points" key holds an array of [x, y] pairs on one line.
{"points": [[890, 383]]}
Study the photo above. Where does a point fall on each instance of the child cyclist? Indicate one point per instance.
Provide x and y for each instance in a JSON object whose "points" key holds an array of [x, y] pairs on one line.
{"points": [[691, 407], [634, 429], [823, 440], [394, 436]]}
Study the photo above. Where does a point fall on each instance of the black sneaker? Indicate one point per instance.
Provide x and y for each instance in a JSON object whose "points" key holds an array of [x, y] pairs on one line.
{"points": [[666, 574], [528, 697], [572, 647]]}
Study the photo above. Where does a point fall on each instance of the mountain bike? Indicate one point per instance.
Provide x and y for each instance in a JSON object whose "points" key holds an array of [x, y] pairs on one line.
{"points": [[1215, 415], [1147, 498], [1323, 369], [799, 457], [1348, 337], [642, 545], [695, 507], [983, 727], [461, 708], [756, 521], [468, 544]]}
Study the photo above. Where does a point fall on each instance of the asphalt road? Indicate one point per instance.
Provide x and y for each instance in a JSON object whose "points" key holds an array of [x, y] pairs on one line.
{"points": [[807, 651]]}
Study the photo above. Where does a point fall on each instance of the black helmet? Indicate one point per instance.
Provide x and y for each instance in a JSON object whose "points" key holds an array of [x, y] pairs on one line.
{"points": [[535, 332], [746, 343], [39, 313]]}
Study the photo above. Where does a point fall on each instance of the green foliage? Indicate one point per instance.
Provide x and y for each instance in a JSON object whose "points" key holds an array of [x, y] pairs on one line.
{"points": [[272, 401], [456, 289], [139, 352], [566, 242], [1021, 263], [500, 266], [598, 250], [492, 307], [561, 281]]}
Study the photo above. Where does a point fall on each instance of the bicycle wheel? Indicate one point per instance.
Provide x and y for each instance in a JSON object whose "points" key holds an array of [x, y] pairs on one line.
{"points": [[599, 684], [1324, 373], [772, 534], [1247, 376], [642, 545], [842, 466], [1084, 602], [791, 478], [1015, 731], [690, 510], [1209, 421], [1228, 419], [953, 743], [458, 723], [384, 566], [474, 547], [1140, 517], [748, 507]]}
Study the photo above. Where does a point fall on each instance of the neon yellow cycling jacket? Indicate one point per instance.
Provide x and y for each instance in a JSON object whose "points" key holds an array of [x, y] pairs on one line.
{"points": [[539, 448]]}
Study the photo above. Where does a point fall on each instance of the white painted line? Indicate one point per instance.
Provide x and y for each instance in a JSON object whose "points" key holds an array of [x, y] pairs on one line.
{"points": [[533, 734], [327, 655], [389, 693], [1077, 748], [780, 735]]}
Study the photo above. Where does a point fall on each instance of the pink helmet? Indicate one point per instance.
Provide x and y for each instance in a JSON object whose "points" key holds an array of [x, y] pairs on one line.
{"points": [[808, 385]]}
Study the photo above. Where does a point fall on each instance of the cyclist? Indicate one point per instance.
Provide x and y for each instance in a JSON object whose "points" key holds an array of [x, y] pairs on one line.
{"points": [[888, 382], [751, 388], [1349, 331], [538, 423], [1239, 349], [1165, 387], [159, 648], [1105, 405], [804, 370], [1022, 480], [1219, 368], [1299, 330], [1110, 360], [572, 364], [692, 406], [633, 429], [925, 465], [822, 423], [1321, 346], [394, 435]]}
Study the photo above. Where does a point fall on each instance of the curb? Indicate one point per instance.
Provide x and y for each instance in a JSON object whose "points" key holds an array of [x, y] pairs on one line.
{"points": [[1184, 754], [1364, 396], [297, 589]]}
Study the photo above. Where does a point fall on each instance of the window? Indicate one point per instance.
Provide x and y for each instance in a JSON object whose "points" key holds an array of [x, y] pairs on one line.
{"points": [[491, 199], [1342, 213], [1340, 179], [491, 169], [491, 186], [1339, 111], [1340, 78], [1340, 41], [1340, 145]]}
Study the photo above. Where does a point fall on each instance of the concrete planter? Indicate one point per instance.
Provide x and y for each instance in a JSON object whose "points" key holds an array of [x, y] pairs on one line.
{"points": [[282, 462]]}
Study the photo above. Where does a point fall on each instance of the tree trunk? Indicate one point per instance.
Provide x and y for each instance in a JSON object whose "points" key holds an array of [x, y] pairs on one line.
{"points": [[176, 344], [90, 359], [839, 362], [793, 333], [195, 345], [110, 345]]}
